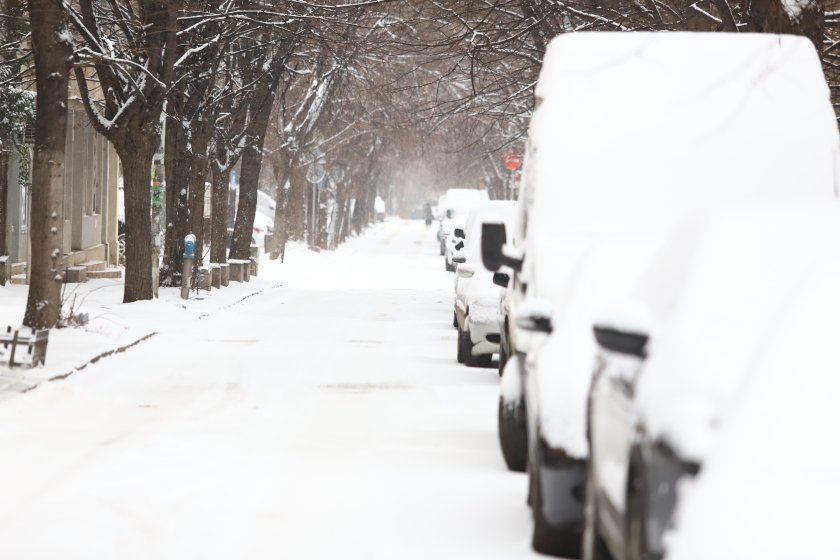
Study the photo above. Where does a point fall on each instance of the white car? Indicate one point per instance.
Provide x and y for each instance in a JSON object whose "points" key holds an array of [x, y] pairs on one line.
{"points": [[263, 225], [596, 205], [675, 354], [476, 296], [454, 204], [454, 242], [769, 486]]}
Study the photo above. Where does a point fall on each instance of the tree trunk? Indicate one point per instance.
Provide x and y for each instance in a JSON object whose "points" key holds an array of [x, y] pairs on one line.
{"points": [[198, 178], [295, 209], [136, 159], [4, 193], [282, 174], [177, 203], [218, 237], [770, 16], [243, 227], [52, 56]]}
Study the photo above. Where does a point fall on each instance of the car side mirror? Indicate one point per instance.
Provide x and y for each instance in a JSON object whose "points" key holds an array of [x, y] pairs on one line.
{"points": [[621, 342], [501, 279], [534, 316], [465, 270], [459, 257], [459, 232], [493, 248]]}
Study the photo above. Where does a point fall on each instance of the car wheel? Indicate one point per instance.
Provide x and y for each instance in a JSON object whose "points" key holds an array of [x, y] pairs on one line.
{"points": [[545, 539], [462, 345], [513, 434], [447, 266], [482, 360], [635, 539], [470, 359], [594, 547], [454, 319]]}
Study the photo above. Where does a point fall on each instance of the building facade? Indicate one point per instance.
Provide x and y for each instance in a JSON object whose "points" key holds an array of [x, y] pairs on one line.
{"points": [[91, 174]]}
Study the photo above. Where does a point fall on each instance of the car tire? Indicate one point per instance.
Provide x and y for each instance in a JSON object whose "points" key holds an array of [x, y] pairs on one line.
{"points": [[594, 547], [470, 359], [462, 345], [635, 537], [454, 319], [482, 360], [447, 266], [545, 539], [513, 434]]}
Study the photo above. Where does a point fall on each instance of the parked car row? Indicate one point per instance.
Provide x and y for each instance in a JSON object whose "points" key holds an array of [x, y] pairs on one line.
{"points": [[670, 305]]}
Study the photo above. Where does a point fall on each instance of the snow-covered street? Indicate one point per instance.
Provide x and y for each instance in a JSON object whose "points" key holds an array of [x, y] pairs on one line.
{"points": [[324, 417]]}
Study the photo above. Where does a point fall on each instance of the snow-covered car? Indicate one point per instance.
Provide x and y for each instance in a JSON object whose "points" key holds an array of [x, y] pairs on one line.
{"points": [[594, 211], [703, 307], [455, 203], [769, 486], [476, 296], [454, 242], [263, 225]]}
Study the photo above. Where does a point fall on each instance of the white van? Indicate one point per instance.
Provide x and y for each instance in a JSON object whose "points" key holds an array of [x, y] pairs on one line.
{"points": [[631, 133]]}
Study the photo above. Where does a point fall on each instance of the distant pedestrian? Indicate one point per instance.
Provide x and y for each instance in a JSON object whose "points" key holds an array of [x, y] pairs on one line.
{"points": [[427, 214]]}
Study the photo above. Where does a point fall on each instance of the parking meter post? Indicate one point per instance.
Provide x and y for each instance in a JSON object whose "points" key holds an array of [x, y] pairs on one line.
{"points": [[187, 267]]}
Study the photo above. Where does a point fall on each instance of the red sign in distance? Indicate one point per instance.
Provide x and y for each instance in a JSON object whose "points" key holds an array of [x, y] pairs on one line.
{"points": [[513, 161]]}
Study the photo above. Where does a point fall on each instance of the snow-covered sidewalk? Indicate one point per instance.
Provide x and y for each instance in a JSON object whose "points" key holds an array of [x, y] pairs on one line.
{"points": [[113, 326], [325, 418]]}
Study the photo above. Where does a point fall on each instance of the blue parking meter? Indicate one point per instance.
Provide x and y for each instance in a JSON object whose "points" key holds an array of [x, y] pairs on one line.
{"points": [[189, 246]]}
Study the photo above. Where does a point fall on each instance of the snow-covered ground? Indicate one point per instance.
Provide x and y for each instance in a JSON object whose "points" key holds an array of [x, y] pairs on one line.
{"points": [[323, 417]]}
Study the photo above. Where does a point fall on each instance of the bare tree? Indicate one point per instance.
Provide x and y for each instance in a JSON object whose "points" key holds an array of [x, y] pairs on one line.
{"points": [[127, 53]]}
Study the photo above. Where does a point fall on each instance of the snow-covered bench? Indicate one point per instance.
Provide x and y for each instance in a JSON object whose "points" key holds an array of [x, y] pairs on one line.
{"points": [[23, 347]]}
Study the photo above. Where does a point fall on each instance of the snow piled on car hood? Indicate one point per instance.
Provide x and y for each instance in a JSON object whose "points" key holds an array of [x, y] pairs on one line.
{"points": [[713, 292], [593, 274], [770, 486]]}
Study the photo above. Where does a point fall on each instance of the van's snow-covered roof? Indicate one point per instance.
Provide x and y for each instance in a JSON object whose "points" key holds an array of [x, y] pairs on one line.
{"points": [[631, 128]]}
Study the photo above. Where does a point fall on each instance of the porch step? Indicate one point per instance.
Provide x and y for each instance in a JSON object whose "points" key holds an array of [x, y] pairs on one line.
{"points": [[18, 279], [75, 274], [94, 266], [105, 273]]}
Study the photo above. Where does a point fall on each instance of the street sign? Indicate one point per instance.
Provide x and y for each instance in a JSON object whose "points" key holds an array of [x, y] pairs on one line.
{"points": [[513, 161], [316, 172]]}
